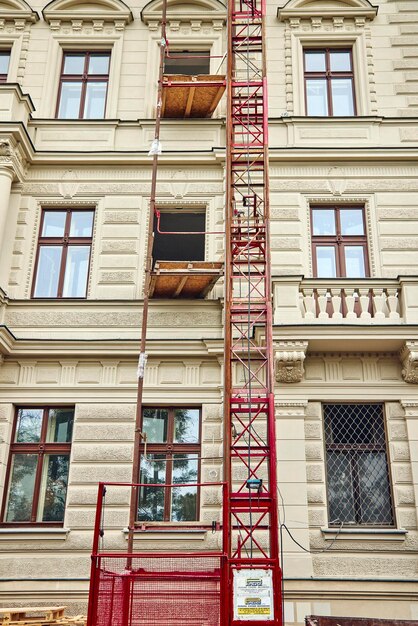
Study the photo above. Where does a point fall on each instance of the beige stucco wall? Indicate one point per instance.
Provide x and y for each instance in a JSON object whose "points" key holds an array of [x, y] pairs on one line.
{"points": [[45, 353]]}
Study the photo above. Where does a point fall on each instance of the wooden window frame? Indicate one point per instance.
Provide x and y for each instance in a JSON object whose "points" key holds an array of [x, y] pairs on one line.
{"points": [[352, 450], [169, 448], [41, 448], [65, 241], [85, 78], [339, 241], [328, 75]]}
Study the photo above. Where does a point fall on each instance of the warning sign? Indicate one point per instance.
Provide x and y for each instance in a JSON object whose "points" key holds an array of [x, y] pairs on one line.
{"points": [[253, 595]]}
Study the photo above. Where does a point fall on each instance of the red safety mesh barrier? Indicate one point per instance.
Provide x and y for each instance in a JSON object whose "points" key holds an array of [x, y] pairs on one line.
{"points": [[158, 591]]}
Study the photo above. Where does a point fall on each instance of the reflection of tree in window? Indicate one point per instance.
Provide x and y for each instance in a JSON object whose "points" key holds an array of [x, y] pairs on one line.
{"points": [[173, 448], [38, 466]]}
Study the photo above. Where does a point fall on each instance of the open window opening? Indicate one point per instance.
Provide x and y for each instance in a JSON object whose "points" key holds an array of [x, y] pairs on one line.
{"points": [[179, 266], [170, 245], [187, 62]]}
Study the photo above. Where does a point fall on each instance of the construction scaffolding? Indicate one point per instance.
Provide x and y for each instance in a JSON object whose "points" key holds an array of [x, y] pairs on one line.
{"points": [[241, 580]]}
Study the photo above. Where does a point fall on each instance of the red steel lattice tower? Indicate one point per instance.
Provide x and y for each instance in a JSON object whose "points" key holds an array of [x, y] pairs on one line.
{"points": [[250, 455]]}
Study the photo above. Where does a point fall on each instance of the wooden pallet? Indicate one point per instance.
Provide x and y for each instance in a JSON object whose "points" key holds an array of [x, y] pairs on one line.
{"points": [[19, 615], [49, 616]]}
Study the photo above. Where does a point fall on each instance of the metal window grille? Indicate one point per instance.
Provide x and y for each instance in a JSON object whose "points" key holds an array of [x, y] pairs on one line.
{"points": [[358, 484]]}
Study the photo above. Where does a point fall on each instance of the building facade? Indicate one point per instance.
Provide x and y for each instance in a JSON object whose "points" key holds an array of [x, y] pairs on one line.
{"points": [[78, 85]]}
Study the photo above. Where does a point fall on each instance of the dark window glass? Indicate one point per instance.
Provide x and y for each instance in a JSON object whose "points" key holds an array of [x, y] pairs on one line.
{"points": [[357, 471], [339, 242], [38, 466], [172, 457], [83, 85], [329, 83], [63, 258]]}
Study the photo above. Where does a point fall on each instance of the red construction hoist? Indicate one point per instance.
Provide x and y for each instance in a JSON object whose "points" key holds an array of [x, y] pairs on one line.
{"points": [[241, 581], [250, 444]]}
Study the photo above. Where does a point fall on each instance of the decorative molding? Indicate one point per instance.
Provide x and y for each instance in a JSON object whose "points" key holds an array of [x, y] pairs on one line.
{"points": [[299, 9], [197, 14], [289, 358], [60, 14], [409, 359], [18, 14], [11, 156]]}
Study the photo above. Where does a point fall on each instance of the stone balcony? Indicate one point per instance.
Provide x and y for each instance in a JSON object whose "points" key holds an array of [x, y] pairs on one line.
{"points": [[366, 301]]}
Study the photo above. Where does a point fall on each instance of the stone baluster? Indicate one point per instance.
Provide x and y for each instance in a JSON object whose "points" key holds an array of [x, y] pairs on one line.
{"points": [[309, 304], [392, 302], [379, 303], [336, 299], [364, 303], [322, 303], [350, 302]]}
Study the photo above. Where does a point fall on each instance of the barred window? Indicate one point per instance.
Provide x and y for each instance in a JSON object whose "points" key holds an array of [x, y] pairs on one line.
{"points": [[359, 491]]}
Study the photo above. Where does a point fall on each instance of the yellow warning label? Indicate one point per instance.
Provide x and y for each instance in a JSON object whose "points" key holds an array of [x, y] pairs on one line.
{"points": [[254, 610]]}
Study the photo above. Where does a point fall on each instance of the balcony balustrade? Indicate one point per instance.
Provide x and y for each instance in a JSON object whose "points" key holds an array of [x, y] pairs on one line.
{"points": [[345, 301]]}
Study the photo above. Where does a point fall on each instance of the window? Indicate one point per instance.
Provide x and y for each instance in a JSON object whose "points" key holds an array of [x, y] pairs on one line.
{"points": [[4, 65], [83, 85], [339, 242], [172, 456], [190, 63], [37, 474], [179, 247], [63, 257], [329, 82], [357, 471]]}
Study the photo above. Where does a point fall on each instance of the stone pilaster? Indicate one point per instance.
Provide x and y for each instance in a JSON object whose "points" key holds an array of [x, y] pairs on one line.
{"points": [[292, 481], [411, 418]]}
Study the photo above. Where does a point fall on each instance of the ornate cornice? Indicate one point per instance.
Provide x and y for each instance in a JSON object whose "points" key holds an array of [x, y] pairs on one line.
{"points": [[289, 358]]}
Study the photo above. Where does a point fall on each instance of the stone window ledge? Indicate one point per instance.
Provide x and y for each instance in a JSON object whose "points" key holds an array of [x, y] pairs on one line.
{"points": [[33, 534], [168, 534], [364, 534]]}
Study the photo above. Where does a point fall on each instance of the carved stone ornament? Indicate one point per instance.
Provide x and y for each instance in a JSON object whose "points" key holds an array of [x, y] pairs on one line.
{"points": [[409, 359], [289, 358]]}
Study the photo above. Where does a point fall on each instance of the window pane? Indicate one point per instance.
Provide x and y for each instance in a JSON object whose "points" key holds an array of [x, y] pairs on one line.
{"points": [[81, 223], [76, 271], [374, 493], [325, 262], [94, 107], [53, 488], [340, 488], [353, 424], [340, 61], [351, 222], [154, 424], [49, 264], [342, 96], [4, 62], [74, 64], [29, 425], [70, 101], [315, 61], [22, 482], [60, 425], [151, 499], [186, 426], [53, 224], [184, 499], [354, 262], [316, 97], [323, 221], [99, 64]]}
